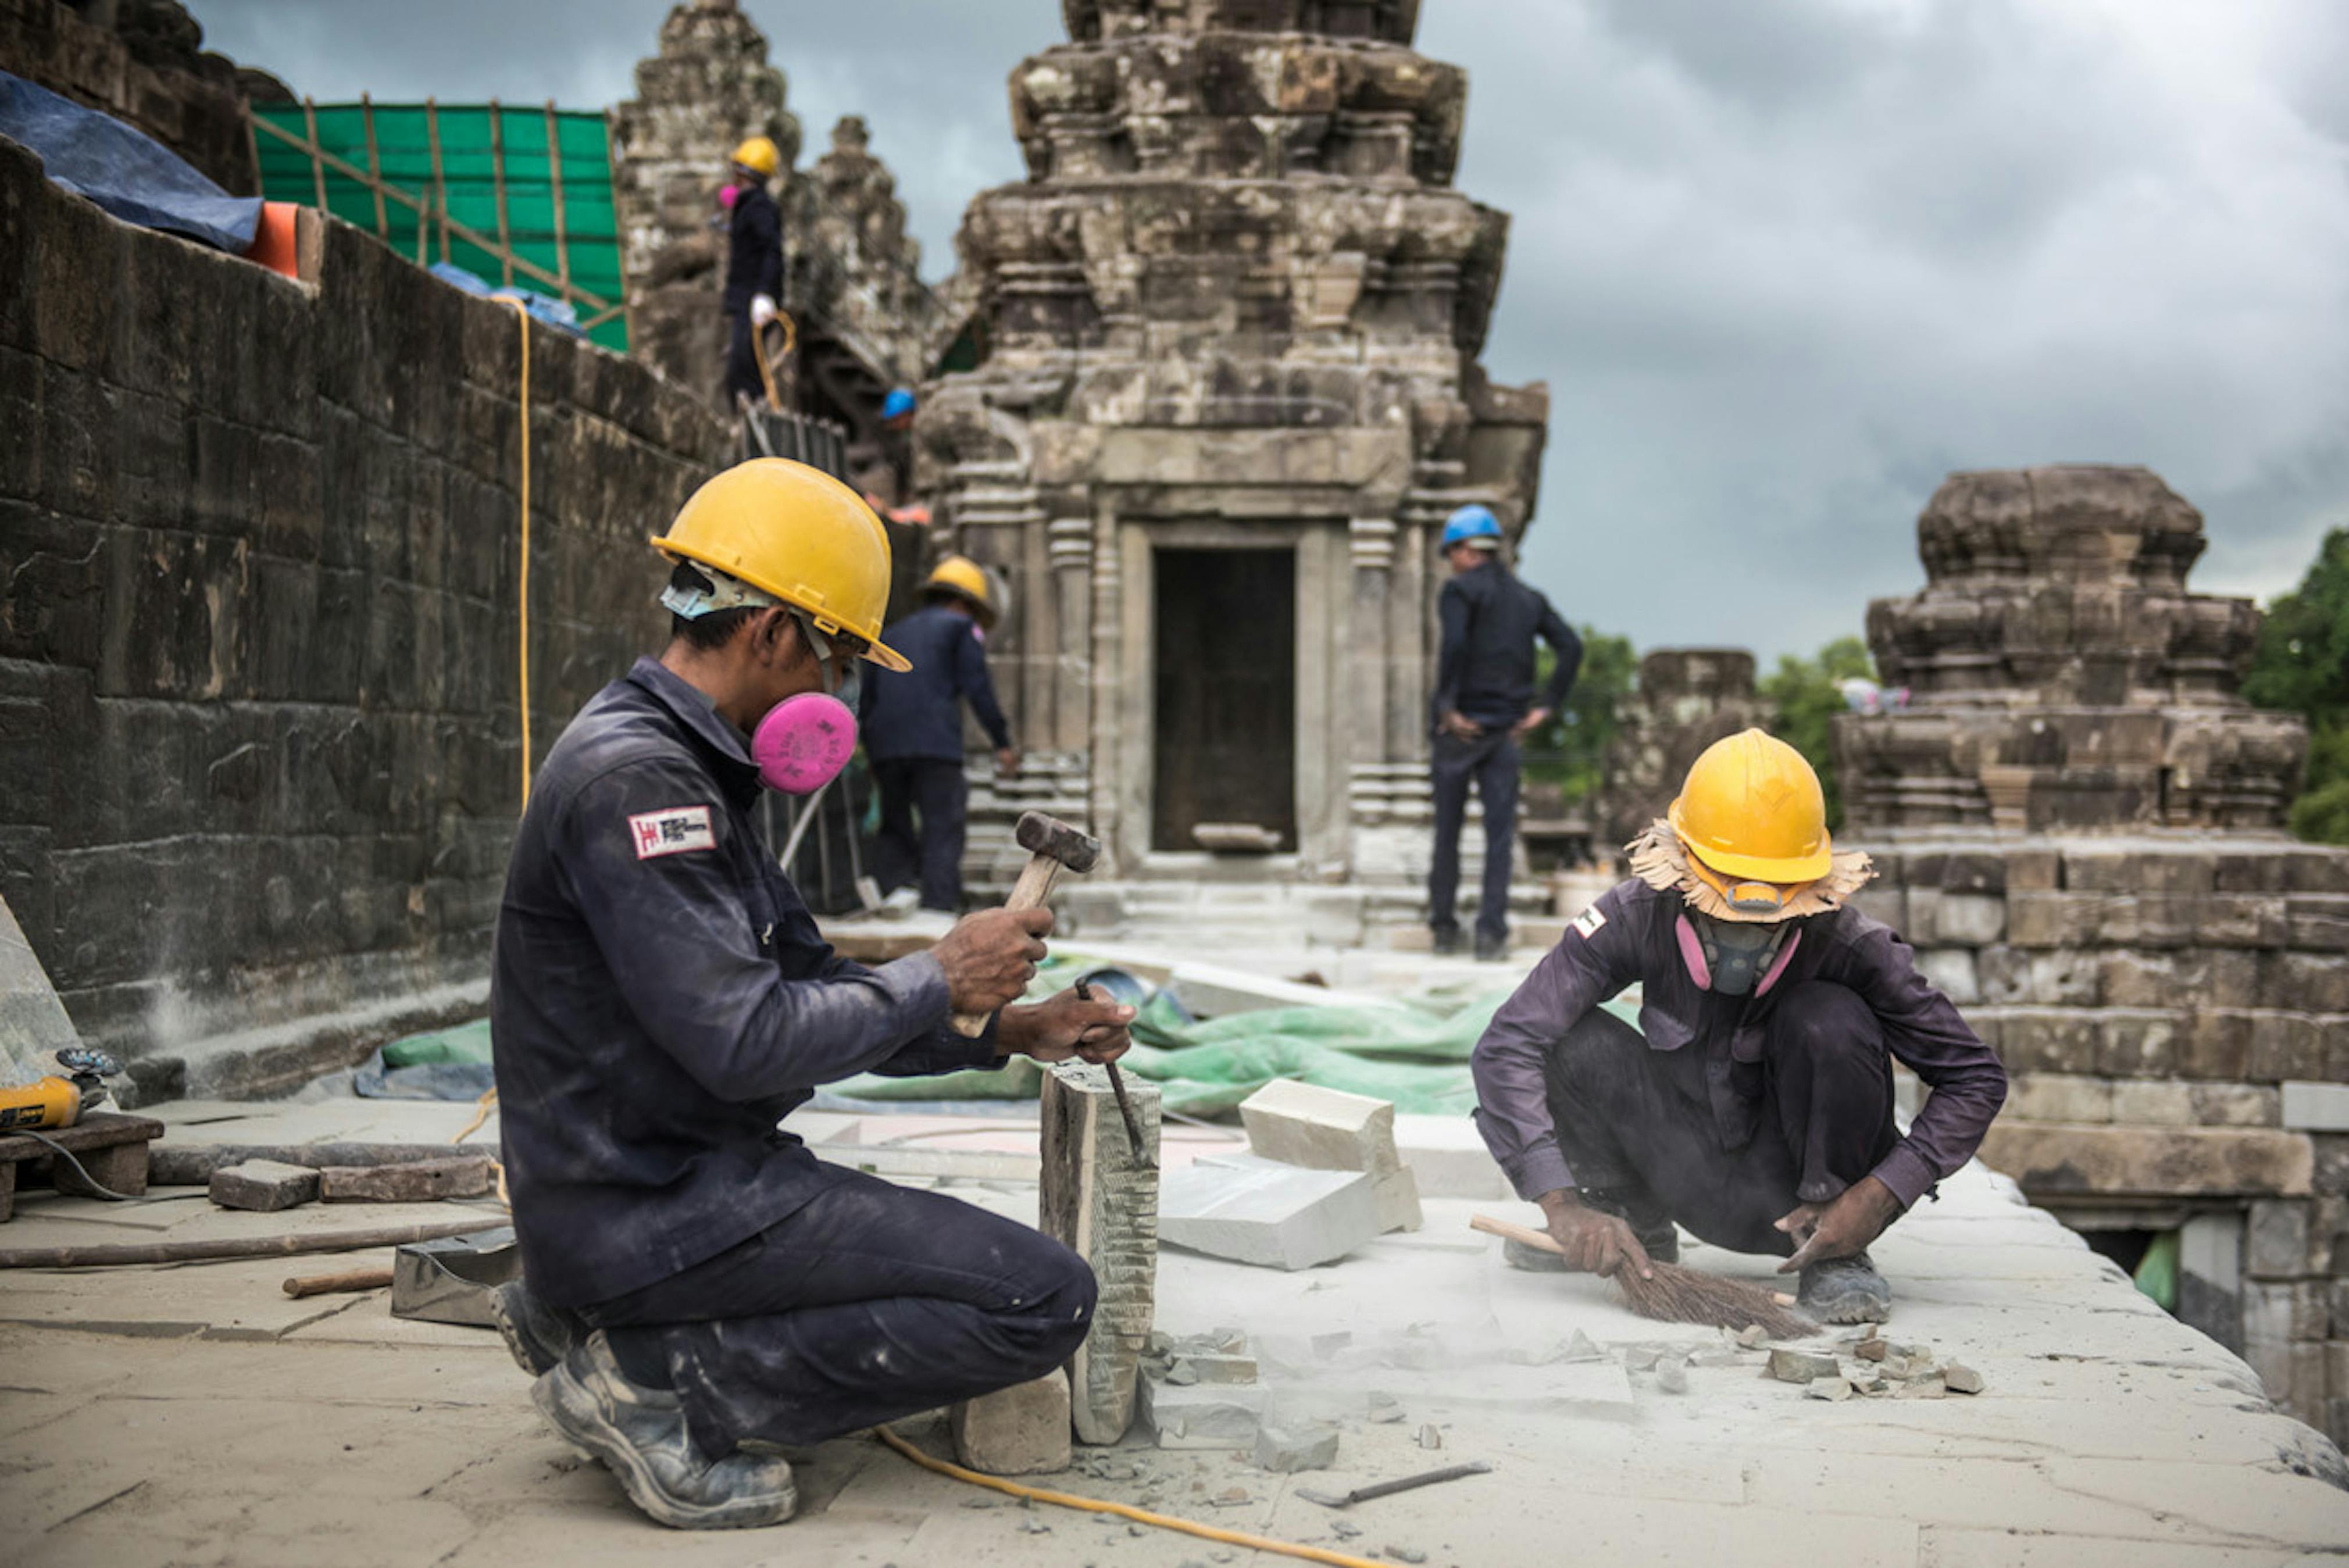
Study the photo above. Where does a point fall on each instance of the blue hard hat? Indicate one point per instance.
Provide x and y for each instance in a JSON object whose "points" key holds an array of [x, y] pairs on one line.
{"points": [[1471, 522], [899, 401]]}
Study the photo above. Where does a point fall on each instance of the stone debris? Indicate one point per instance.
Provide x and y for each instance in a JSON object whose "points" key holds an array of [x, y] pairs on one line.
{"points": [[1020, 1430], [1926, 1388], [264, 1186], [1098, 1202], [1871, 1349], [1802, 1366], [1385, 1409], [1200, 1416], [1289, 1450], [1260, 1212], [1232, 1497], [1428, 1436], [1642, 1358], [1961, 1379], [1328, 1129], [1833, 1389], [1751, 1336], [1672, 1376], [1344, 1529], [1405, 1554]]}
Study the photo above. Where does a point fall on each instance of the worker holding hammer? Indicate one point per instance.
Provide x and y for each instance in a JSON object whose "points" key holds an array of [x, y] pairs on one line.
{"points": [[695, 1280]]}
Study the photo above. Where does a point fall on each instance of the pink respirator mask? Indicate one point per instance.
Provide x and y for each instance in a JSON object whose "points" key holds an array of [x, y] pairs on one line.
{"points": [[804, 743]]}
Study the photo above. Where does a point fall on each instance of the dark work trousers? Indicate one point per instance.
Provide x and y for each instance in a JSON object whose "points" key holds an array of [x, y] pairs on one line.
{"points": [[1491, 762], [1640, 1123], [933, 790], [743, 377], [870, 1303]]}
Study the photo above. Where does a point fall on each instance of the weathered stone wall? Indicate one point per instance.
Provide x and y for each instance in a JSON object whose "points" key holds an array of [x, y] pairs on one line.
{"points": [[143, 62], [2073, 825], [259, 719], [1686, 699]]}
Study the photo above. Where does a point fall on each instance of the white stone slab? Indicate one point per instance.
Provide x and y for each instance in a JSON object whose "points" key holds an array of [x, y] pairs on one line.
{"points": [[1258, 1211]]}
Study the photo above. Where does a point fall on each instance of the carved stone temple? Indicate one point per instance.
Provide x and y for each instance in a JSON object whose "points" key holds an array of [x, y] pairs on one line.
{"points": [[2076, 824], [1226, 391]]}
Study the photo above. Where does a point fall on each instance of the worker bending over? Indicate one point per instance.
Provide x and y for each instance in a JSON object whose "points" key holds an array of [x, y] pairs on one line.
{"points": [[754, 264], [1484, 705], [912, 733], [693, 1279], [1753, 1103]]}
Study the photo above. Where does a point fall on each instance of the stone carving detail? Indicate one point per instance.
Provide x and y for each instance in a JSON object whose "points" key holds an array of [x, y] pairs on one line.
{"points": [[1104, 1206], [2061, 673]]}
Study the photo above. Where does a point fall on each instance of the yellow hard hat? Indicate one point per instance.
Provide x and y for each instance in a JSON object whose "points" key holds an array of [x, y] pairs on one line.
{"points": [[1751, 808], [960, 575], [759, 153], [798, 534]]}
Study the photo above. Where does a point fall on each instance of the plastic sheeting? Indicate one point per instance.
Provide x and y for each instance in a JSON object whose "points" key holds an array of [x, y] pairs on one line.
{"points": [[127, 174]]}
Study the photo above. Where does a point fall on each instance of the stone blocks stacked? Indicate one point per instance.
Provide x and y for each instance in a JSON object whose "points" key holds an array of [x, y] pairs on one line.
{"points": [[1329, 1129], [2074, 828], [259, 738]]}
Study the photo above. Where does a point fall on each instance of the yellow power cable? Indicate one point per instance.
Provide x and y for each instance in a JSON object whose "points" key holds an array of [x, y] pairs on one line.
{"points": [[1126, 1510]]}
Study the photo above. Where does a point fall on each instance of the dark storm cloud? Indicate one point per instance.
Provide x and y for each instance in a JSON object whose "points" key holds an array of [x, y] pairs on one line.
{"points": [[1783, 265]]}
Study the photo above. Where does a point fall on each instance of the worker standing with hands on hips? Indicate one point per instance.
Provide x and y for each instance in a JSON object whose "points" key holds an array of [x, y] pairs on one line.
{"points": [[693, 1279], [754, 264], [1484, 705], [1753, 1103], [912, 733]]}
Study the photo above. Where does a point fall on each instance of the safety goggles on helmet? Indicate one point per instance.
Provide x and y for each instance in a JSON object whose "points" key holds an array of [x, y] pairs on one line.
{"points": [[711, 593], [1755, 900]]}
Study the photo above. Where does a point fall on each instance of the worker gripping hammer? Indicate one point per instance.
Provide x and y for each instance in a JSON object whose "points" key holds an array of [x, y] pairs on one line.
{"points": [[1053, 846]]}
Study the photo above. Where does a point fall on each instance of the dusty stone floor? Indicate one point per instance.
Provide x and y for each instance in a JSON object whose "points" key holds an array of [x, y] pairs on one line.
{"points": [[196, 1415]]}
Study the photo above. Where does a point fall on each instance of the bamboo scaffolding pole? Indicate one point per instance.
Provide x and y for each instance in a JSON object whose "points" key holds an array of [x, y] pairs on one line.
{"points": [[375, 170], [318, 166], [554, 180], [439, 180], [498, 183]]}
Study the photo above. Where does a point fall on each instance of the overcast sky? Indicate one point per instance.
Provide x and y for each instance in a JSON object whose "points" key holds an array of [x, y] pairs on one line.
{"points": [[1783, 265]]}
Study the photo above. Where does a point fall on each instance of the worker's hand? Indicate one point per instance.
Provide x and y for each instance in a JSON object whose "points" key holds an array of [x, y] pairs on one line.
{"points": [[1459, 725], [762, 310], [989, 957], [1067, 1026], [1532, 721], [1595, 1243], [1839, 1229], [1007, 762]]}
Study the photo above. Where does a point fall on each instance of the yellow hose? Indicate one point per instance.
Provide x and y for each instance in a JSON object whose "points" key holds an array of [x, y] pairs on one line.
{"points": [[1125, 1511]]}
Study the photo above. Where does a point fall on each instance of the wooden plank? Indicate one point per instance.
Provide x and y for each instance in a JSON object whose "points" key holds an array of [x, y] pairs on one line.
{"points": [[98, 1130], [375, 170], [521, 264], [423, 1181], [286, 1246], [554, 180], [439, 181], [317, 164], [498, 183]]}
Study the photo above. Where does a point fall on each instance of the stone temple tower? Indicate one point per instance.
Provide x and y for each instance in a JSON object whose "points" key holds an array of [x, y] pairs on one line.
{"points": [[1220, 390]]}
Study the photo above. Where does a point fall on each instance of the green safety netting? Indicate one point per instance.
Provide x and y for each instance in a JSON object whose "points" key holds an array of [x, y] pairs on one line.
{"points": [[484, 149]]}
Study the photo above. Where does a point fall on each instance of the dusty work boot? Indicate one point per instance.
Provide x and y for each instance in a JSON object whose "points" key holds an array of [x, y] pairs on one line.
{"points": [[1491, 949], [1844, 1290], [537, 1335], [1444, 941], [1654, 1228], [640, 1435]]}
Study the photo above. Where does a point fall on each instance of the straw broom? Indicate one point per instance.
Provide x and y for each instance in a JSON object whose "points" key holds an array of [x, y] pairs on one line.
{"points": [[1679, 1295]]}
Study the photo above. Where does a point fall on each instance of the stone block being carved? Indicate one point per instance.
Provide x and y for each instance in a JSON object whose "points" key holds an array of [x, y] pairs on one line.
{"points": [[1102, 1203]]}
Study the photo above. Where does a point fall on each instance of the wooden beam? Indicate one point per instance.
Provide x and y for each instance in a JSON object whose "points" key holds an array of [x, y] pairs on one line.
{"points": [[521, 264], [375, 170], [554, 179], [317, 163], [439, 181], [498, 180]]}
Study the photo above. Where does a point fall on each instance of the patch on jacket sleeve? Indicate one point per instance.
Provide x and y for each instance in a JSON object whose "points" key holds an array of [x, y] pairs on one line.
{"points": [[1588, 922], [673, 831]]}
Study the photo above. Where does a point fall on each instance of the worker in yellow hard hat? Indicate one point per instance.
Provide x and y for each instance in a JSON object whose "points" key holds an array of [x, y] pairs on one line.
{"points": [[1753, 1105], [754, 262], [694, 1280], [913, 734]]}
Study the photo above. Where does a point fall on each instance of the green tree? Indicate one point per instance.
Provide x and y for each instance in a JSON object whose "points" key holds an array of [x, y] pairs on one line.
{"points": [[2301, 667], [1804, 699], [1571, 750]]}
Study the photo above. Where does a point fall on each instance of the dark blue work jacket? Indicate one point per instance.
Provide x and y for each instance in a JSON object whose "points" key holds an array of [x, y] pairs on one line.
{"points": [[918, 713], [754, 250], [660, 999], [1485, 663]]}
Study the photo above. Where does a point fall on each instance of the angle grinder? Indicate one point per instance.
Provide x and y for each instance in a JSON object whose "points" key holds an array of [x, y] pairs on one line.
{"points": [[58, 1101]]}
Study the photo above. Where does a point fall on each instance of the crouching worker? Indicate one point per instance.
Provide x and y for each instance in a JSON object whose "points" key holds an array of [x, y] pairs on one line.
{"points": [[697, 1285], [1753, 1103]]}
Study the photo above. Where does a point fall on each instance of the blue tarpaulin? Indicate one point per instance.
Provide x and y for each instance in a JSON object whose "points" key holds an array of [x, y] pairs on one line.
{"points": [[130, 175]]}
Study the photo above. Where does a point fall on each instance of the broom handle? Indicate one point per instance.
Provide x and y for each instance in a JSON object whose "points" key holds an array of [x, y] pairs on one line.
{"points": [[1540, 1240]]}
